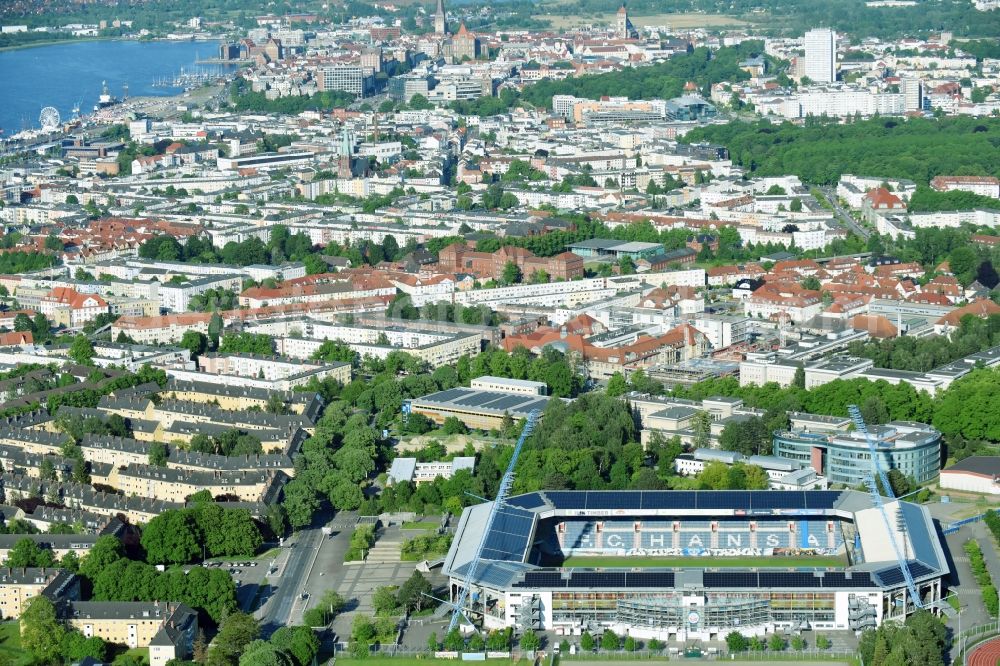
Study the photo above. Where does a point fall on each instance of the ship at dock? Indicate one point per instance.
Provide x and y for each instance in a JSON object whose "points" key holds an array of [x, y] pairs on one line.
{"points": [[107, 100]]}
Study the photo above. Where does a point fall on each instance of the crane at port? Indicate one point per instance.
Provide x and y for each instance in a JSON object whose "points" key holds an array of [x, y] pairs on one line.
{"points": [[878, 472], [499, 503]]}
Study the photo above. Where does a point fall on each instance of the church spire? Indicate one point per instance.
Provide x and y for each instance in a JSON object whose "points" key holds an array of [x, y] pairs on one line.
{"points": [[440, 21]]}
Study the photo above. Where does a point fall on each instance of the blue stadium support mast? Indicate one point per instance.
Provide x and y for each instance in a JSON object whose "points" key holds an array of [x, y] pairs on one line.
{"points": [[876, 470], [503, 491]]}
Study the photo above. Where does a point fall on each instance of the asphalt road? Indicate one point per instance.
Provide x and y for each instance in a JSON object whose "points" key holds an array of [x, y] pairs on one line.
{"points": [[843, 215], [289, 586]]}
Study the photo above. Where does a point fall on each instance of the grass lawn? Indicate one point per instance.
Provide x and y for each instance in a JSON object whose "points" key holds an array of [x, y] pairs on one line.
{"points": [[10, 644], [709, 562], [420, 525]]}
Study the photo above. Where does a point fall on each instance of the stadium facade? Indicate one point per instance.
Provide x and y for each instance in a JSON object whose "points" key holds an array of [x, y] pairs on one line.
{"points": [[520, 580]]}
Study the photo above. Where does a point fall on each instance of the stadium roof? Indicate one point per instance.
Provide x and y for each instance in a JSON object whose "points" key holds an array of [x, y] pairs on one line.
{"points": [[507, 547]]}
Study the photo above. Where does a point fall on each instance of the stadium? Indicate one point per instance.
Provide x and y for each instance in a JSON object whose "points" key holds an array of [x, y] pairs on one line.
{"points": [[693, 565]]}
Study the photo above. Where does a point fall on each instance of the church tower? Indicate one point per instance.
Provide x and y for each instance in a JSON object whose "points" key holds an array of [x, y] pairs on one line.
{"points": [[623, 25], [440, 22]]}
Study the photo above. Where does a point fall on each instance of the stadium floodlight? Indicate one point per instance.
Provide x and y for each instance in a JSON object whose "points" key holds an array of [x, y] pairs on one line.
{"points": [[503, 491], [876, 471]]}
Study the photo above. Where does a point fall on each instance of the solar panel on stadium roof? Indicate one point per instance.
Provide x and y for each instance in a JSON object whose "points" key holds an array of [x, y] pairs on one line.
{"points": [[916, 528], [629, 499], [785, 499], [567, 499], [840, 579], [508, 535], [602, 500], [730, 579], [529, 501], [491, 574], [614, 579], [708, 499], [918, 569], [668, 499], [542, 579], [649, 579], [890, 576], [787, 579], [821, 499]]}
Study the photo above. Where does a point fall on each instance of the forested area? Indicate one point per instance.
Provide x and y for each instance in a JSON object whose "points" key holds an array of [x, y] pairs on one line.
{"points": [[819, 152], [662, 80], [281, 246], [924, 199], [24, 262]]}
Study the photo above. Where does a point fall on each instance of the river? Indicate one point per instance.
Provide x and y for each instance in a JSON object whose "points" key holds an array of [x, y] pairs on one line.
{"points": [[70, 74]]}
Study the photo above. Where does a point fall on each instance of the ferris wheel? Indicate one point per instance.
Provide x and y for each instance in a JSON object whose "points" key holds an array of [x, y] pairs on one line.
{"points": [[49, 118]]}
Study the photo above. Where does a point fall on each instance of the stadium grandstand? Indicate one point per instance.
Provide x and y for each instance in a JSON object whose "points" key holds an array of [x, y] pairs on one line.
{"points": [[694, 565]]}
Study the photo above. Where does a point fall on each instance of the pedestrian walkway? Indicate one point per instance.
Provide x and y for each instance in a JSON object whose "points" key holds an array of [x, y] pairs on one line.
{"points": [[385, 551]]}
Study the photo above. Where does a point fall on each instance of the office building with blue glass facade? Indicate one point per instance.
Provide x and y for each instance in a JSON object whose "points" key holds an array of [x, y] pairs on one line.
{"points": [[844, 457]]}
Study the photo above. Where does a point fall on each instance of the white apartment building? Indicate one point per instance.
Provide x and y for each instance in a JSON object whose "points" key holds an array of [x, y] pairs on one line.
{"points": [[176, 297], [821, 55]]}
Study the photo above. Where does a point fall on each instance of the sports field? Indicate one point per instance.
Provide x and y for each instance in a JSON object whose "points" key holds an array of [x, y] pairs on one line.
{"points": [[625, 562]]}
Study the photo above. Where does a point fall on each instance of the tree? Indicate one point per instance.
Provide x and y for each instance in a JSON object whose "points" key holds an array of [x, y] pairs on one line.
{"points": [[195, 342], [610, 640], [822, 642], [263, 653], [27, 553], [106, 551], [41, 631], [511, 273], [453, 426], [81, 351], [238, 630], [617, 385], [171, 538], [75, 647], [300, 642], [413, 594], [630, 644], [453, 640], [701, 424], [776, 643], [384, 600], [215, 326], [796, 205], [798, 643], [736, 642], [587, 641], [530, 641], [799, 378]]}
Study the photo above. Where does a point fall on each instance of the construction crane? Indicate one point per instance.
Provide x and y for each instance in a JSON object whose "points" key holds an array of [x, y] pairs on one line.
{"points": [[876, 470], [506, 481]]}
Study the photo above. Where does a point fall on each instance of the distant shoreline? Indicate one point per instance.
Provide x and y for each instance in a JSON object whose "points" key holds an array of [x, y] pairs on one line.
{"points": [[80, 40], [54, 42]]}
